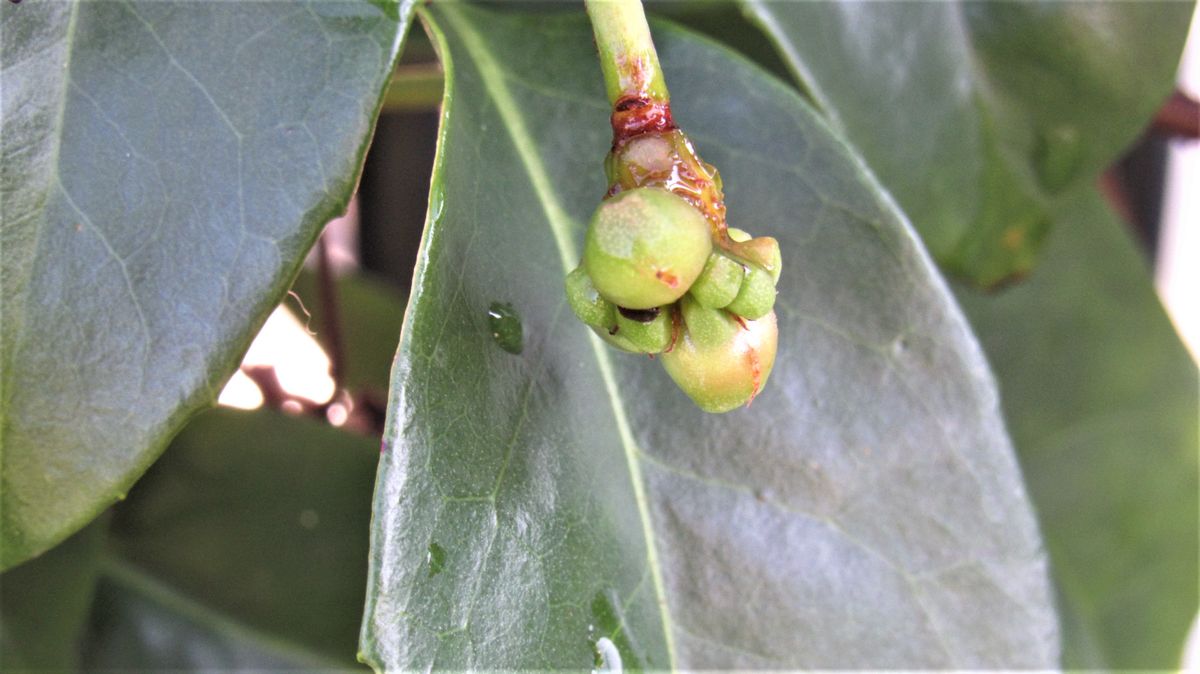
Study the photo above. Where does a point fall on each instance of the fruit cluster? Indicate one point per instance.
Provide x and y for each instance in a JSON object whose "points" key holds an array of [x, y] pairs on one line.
{"points": [[662, 273]]}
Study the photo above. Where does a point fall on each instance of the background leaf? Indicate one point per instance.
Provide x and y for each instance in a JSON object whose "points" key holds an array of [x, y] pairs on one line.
{"points": [[243, 547], [978, 115], [159, 193], [1101, 399], [44, 604], [867, 510]]}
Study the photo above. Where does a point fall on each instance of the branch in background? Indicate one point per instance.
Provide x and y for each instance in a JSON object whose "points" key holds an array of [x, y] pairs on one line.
{"points": [[1117, 196], [276, 397], [1179, 117], [331, 324]]}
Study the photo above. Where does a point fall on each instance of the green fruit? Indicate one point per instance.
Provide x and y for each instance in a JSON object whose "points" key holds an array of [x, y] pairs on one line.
{"points": [[645, 247], [756, 297], [586, 301], [719, 282], [719, 362], [639, 331]]}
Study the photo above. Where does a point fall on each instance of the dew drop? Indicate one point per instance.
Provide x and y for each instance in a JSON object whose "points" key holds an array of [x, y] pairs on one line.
{"points": [[309, 519], [505, 324], [436, 558]]}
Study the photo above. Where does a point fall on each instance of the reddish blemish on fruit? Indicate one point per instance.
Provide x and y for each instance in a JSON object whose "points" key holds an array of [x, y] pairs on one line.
{"points": [[668, 278]]}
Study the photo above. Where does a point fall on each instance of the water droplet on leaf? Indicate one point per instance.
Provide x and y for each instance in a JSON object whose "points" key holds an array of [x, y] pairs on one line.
{"points": [[309, 519], [436, 559], [505, 324]]}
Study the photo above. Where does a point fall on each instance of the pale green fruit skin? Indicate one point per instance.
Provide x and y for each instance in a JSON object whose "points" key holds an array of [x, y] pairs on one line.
{"points": [[586, 302], [719, 282], [645, 247], [756, 297], [723, 365]]}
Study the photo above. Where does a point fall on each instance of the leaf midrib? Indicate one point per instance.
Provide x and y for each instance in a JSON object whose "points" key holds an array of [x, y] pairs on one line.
{"points": [[561, 225]]}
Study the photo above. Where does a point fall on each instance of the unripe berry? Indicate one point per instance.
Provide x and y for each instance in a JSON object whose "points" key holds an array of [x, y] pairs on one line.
{"points": [[720, 281], [721, 363], [645, 247], [586, 301], [639, 331], [756, 297]]}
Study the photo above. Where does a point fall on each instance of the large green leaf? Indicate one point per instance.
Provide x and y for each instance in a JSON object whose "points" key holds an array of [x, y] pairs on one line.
{"points": [[978, 115], [1101, 399], [245, 546], [165, 167], [567, 503]]}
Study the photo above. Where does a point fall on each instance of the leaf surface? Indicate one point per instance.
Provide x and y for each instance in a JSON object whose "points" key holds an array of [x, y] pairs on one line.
{"points": [[165, 167], [1101, 400], [566, 506], [245, 546], [979, 116]]}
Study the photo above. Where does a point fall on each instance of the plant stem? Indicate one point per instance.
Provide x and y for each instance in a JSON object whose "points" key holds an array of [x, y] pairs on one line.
{"points": [[627, 54]]}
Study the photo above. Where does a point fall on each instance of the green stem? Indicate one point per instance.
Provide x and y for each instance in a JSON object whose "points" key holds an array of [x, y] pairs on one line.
{"points": [[627, 54]]}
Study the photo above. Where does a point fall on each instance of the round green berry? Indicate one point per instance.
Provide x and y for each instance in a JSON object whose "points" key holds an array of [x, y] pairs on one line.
{"points": [[639, 330], [756, 296], [721, 363], [645, 247], [719, 282]]}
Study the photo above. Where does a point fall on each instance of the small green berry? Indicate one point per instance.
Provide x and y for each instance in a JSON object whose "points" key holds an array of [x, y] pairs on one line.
{"points": [[645, 247], [586, 301], [756, 297], [720, 281], [719, 362], [640, 330]]}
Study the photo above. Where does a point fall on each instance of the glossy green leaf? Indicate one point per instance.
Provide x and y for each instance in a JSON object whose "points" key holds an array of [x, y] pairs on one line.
{"points": [[165, 167], [370, 313], [565, 506], [245, 546], [44, 604], [1101, 399], [977, 116]]}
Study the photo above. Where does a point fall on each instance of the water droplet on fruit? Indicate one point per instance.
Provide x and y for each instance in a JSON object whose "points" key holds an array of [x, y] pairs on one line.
{"points": [[505, 324]]}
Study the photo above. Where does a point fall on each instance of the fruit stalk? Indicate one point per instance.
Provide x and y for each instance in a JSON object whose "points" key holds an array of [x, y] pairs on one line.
{"points": [[627, 55], [662, 272]]}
